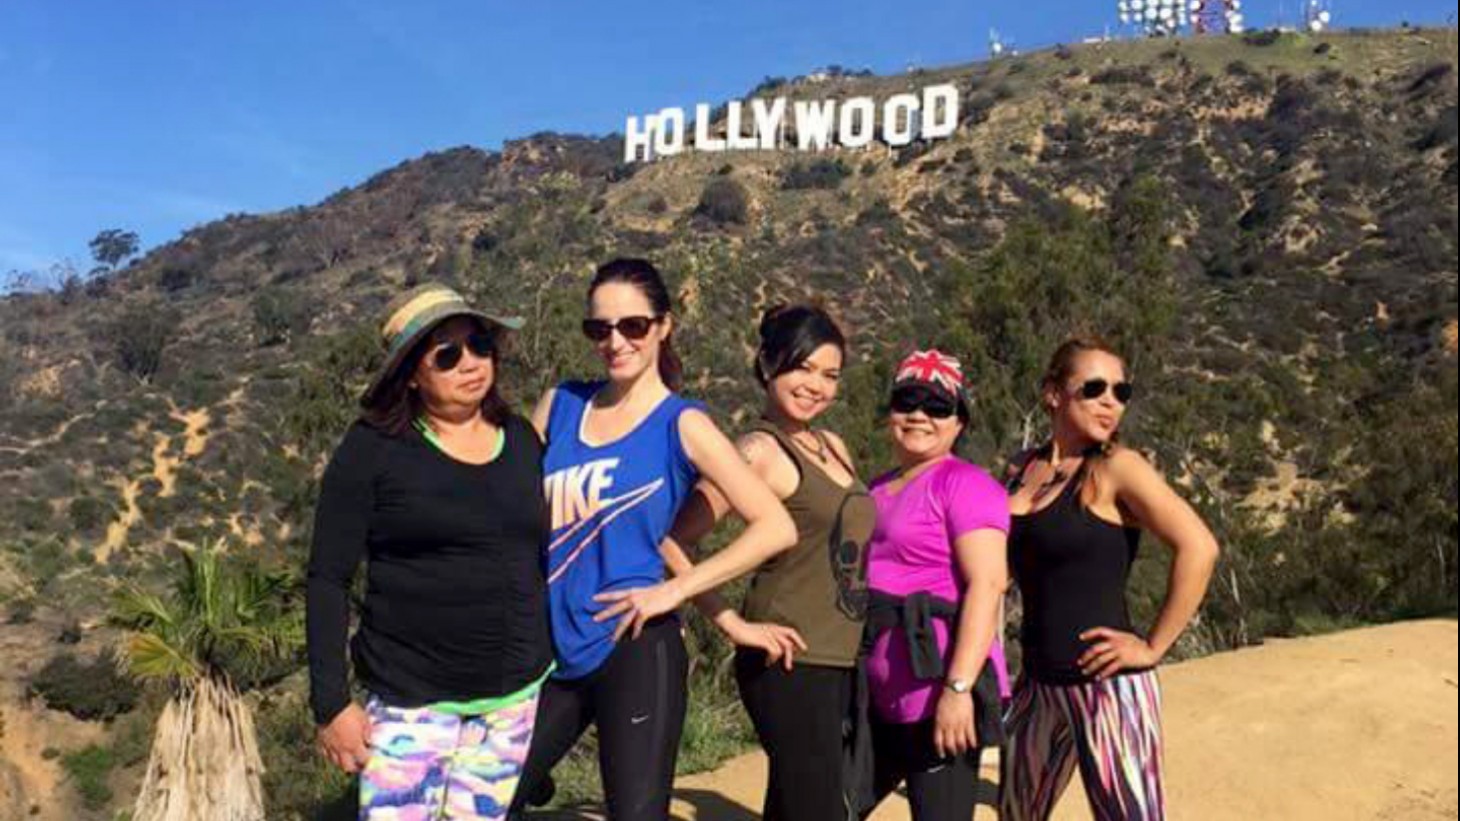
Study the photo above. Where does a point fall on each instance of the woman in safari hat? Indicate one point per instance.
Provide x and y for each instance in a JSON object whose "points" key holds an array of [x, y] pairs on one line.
{"points": [[438, 485]]}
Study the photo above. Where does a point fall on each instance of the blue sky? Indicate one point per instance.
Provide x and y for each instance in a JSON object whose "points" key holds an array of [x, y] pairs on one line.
{"points": [[158, 116]]}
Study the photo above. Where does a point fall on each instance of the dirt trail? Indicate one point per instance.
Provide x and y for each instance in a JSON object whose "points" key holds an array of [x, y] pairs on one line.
{"points": [[1359, 725], [117, 531], [167, 456]]}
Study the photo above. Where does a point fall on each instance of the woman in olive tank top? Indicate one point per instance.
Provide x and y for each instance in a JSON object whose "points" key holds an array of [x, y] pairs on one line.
{"points": [[801, 626]]}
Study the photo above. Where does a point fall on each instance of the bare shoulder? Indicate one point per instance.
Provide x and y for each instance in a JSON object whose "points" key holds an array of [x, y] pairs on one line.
{"points": [[700, 435], [1131, 470], [757, 446], [543, 411]]}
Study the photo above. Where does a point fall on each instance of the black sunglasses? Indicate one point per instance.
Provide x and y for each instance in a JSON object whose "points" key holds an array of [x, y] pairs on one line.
{"points": [[912, 400], [631, 327], [1097, 388], [448, 355]]}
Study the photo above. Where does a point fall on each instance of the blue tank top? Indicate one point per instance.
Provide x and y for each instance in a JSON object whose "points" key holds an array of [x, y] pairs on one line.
{"points": [[611, 508]]}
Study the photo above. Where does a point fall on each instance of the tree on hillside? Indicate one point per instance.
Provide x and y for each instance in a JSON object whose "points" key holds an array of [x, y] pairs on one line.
{"points": [[223, 625], [139, 335], [280, 315], [110, 247], [1048, 279], [724, 201]]}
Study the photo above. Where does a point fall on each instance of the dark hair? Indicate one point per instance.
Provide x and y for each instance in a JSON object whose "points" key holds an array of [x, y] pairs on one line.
{"points": [[394, 407], [642, 274], [789, 335]]}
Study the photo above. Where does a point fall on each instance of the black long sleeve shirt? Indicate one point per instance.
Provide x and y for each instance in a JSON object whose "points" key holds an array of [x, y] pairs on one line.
{"points": [[455, 605]]}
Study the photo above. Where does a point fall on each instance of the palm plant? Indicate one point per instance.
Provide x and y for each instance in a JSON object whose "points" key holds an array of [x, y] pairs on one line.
{"points": [[223, 625]]}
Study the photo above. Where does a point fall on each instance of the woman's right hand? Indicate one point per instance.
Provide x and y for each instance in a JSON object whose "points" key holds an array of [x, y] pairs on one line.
{"points": [[779, 643], [345, 741]]}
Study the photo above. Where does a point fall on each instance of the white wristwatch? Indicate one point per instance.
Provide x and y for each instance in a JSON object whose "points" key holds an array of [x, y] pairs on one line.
{"points": [[960, 687]]}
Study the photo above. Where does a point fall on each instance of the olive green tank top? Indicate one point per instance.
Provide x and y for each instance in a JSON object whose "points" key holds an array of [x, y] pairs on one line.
{"points": [[819, 587]]}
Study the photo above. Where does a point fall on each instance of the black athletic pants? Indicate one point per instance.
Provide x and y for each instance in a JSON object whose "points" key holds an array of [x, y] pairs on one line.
{"points": [[637, 701], [938, 789], [801, 719]]}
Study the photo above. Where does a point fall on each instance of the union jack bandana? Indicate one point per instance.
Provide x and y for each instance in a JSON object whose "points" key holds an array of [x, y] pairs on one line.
{"points": [[933, 368]]}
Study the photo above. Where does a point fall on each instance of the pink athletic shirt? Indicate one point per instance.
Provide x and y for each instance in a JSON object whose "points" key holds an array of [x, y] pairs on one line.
{"points": [[912, 551]]}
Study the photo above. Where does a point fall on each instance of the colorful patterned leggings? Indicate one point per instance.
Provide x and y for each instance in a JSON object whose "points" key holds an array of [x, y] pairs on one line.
{"points": [[1111, 729], [426, 765]]}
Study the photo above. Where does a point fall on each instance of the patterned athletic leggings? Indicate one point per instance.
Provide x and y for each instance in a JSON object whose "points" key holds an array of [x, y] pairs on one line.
{"points": [[427, 765], [1111, 729]]}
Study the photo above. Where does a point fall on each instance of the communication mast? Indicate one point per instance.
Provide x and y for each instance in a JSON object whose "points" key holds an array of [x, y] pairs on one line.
{"points": [[1318, 16], [997, 47]]}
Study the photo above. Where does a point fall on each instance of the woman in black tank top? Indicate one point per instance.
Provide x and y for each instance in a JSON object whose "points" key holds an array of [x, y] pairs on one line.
{"points": [[1089, 696]]}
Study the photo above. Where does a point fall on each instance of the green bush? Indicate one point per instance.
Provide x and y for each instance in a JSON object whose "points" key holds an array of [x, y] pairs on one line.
{"points": [[724, 202], [89, 769], [21, 613], [140, 334], [91, 691], [280, 314], [175, 280], [298, 782], [821, 174], [89, 514]]}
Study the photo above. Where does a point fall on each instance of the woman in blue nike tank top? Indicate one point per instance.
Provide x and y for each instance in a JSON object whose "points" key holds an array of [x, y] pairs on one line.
{"points": [[623, 454]]}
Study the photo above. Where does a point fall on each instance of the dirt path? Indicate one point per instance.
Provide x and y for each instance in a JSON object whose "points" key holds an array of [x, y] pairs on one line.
{"points": [[1359, 725], [168, 454], [117, 531]]}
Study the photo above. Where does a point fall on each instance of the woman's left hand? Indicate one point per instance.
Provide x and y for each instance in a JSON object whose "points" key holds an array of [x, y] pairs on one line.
{"points": [[636, 608], [954, 731], [1112, 651]]}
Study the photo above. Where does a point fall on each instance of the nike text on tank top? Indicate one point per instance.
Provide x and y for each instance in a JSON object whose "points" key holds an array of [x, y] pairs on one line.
{"points": [[612, 506]]}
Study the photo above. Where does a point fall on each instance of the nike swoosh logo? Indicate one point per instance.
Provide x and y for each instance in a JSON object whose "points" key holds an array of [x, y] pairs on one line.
{"points": [[612, 509]]}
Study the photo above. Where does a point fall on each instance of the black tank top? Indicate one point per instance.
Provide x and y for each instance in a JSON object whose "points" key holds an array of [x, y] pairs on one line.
{"points": [[1072, 568]]}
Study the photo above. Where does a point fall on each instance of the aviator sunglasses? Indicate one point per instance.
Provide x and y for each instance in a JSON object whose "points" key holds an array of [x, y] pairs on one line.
{"points": [[1097, 388], [449, 354], [912, 400], [631, 327]]}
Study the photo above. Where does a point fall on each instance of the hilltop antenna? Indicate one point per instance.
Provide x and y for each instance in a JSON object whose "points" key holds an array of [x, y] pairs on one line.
{"points": [[1318, 17]]}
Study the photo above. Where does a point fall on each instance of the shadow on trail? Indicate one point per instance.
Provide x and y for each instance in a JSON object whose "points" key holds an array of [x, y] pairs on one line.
{"points": [[708, 806]]}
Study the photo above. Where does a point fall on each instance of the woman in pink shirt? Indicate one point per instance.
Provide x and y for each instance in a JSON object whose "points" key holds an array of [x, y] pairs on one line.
{"points": [[937, 574]]}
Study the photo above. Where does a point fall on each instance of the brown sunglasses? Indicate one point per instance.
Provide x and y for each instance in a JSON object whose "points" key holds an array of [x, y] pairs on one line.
{"points": [[631, 327]]}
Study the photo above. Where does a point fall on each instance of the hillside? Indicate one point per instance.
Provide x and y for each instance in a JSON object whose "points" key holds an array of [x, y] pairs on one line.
{"points": [[1266, 224]]}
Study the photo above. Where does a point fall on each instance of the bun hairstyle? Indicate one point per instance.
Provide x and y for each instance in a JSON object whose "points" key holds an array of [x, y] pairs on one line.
{"points": [[789, 335], [642, 274]]}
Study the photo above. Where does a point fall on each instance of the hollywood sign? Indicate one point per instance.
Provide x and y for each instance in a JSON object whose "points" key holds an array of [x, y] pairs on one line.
{"points": [[818, 125]]}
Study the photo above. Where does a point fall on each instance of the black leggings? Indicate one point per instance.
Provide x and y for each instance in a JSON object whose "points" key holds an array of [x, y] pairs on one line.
{"points": [[637, 701], [800, 718], [938, 789]]}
